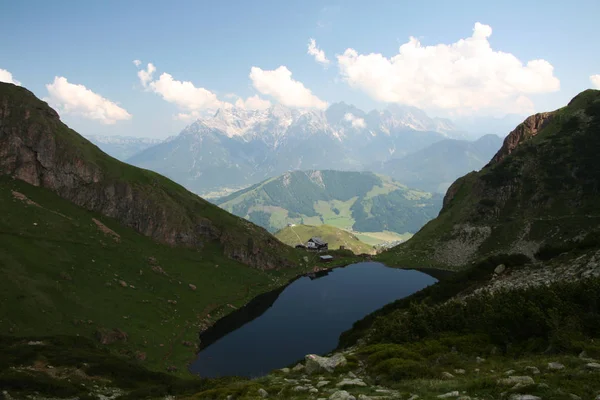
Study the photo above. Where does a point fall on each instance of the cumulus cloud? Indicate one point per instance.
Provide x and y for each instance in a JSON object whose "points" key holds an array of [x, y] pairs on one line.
{"points": [[75, 99], [184, 93], [253, 103], [279, 84], [145, 75], [317, 53], [461, 78], [7, 77], [595, 79], [356, 122], [191, 99]]}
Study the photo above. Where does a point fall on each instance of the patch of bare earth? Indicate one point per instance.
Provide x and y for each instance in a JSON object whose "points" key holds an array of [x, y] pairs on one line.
{"points": [[25, 199], [107, 230], [28, 201]]}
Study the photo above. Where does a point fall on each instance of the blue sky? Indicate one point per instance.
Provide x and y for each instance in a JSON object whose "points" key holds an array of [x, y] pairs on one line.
{"points": [[215, 45]]}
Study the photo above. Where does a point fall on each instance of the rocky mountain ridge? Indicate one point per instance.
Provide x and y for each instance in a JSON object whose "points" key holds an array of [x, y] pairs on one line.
{"points": [[538, 194]]}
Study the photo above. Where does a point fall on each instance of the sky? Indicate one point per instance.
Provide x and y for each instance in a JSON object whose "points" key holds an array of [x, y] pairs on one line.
{"points": [[149, 68]]}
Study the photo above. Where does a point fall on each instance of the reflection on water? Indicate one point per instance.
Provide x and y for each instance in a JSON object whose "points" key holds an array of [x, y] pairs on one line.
{"points": [[280, 327]]}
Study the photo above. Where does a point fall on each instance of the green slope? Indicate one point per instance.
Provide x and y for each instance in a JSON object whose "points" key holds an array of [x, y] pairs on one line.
{"points": [[361, 201], [35, 146], [62, 272], [335, 237], [539, 196]]}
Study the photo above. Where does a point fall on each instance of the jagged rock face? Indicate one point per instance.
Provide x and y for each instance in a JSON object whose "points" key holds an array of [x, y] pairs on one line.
{"points": [[529, 128], [36, 147], [541, 190]]}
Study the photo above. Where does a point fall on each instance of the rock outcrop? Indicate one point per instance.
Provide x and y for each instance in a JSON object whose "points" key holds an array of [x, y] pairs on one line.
{"points": [[526, 130], [36, 147]]}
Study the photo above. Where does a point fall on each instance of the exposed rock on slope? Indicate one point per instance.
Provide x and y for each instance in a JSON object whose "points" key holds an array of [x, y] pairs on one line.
{"points": [[36, 147], [539, 195]]}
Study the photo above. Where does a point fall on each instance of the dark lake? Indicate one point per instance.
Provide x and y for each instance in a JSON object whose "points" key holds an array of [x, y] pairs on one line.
{"points": [[305, 317]]}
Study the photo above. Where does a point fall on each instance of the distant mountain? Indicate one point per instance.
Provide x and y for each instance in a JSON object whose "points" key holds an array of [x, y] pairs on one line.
{"points": [[435, 167], [360, 201], [335, 237], [237, 147], [475, 127], [122, 147]]}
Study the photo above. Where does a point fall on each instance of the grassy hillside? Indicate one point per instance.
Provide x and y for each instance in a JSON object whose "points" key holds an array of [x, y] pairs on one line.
{"points": [[35, 146], [69, 271], [293, 235], [361, 201], [539, 196]]}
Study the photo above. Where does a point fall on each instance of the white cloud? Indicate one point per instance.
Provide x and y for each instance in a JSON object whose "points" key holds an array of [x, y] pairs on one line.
{"points": [[595, 79], [317, 53], [185, 94], [191, 99], [145, 75], [279, 84], [188, 117], [75, 99], [7, 77], [137, 63], [356, 122], [253, 103], [461, 78]]}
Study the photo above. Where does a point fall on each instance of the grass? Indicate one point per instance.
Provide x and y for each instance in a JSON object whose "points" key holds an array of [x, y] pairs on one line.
{"points": [[62, 275]]}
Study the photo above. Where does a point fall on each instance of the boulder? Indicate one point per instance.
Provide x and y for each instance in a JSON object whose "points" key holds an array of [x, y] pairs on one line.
{"points": [[517, 396], [320, 384], [351, 382], [263, 393], [341, 395], [299, 367], [555, 366], [447, 375], [500, 269], [449, 394], [315, 363], [593, 366], [193, 287], [514, 380]]}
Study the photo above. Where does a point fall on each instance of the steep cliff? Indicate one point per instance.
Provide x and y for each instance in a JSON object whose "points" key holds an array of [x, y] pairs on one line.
{"points": [[36, 147], [540, 194]]}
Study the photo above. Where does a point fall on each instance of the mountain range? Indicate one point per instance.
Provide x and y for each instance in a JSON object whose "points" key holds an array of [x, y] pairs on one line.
{"points": [[122, 147], [239, 147], [358, 201], [435, 167]]}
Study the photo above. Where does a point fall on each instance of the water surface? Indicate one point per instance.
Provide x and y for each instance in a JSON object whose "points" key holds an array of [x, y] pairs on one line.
{"points": [[307, 316]]}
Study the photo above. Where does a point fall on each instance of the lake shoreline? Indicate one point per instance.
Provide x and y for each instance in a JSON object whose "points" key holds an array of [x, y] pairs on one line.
{"points": [[258, 305]]}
